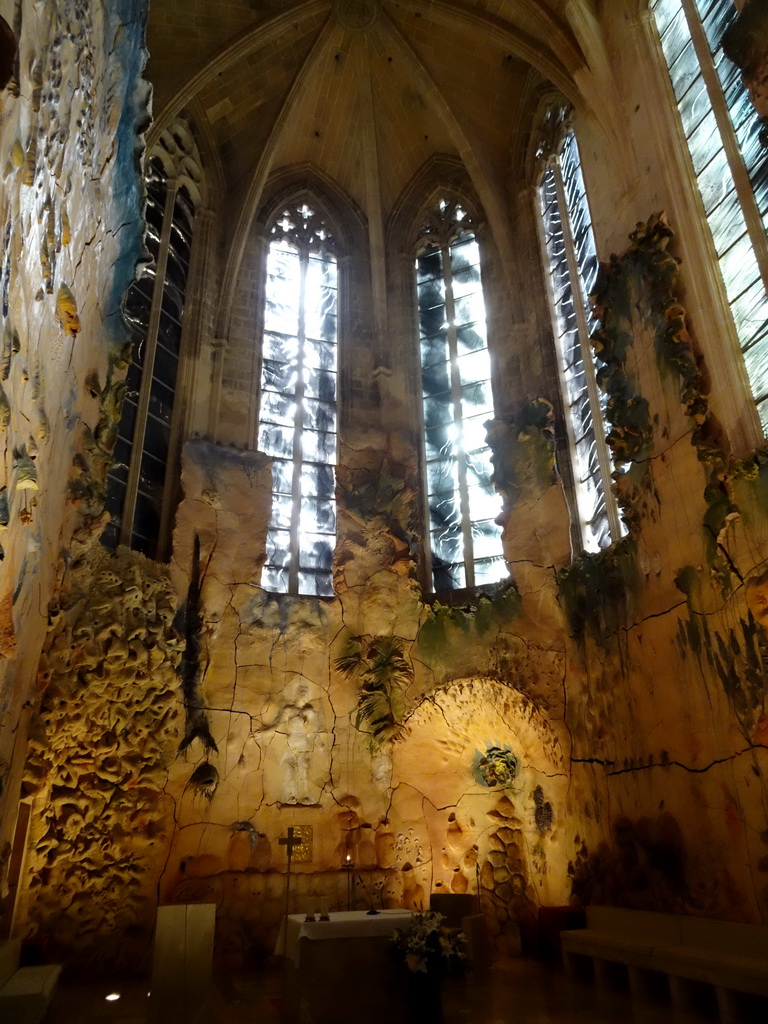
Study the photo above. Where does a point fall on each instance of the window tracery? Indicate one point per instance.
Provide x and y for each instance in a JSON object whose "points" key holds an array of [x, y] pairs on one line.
{"points": [[722, 130], [140, 483], [571, 267], [464, 547], [297, 414]]}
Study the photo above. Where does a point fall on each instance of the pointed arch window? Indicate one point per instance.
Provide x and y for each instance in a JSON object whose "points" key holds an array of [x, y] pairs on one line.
{"points": [[297, 413], [464, 548], [140, 484], [571, 264], [722, 130]]}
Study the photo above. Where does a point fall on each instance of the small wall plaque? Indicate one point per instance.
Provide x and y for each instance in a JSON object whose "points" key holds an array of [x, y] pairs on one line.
{"points": [[302, 854]]}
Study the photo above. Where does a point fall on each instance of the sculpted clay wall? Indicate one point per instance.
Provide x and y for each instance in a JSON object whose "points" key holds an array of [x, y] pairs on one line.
{"points": [[667, 674], [593, 730], [71, 235], [425, 743], [666, 695], [555, 740]]}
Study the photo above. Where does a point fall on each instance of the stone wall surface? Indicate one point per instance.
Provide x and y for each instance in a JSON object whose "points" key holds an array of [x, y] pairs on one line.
{"points": [[594, 730], [554, 740], [98, 757], [667, 704], [71, 236], [416, 789]]}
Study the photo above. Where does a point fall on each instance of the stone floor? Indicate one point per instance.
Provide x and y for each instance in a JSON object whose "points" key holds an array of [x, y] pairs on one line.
{"points": [[517, 991]]}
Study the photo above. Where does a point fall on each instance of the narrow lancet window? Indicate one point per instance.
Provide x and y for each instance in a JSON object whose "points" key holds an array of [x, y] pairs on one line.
{"points": [[730, 165], [297, 416], [140, 483], [464, 548], [572, 265]]}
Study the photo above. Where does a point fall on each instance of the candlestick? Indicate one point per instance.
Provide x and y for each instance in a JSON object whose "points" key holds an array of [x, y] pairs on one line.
{"points": [[324, 907], [349, 867]]}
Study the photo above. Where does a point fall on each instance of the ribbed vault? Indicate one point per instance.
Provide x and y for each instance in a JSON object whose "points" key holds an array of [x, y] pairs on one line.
{"points": [[365, 90]]}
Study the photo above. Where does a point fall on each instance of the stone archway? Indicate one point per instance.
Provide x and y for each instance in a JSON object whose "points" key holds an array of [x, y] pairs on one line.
{"points": [[478, 791]]}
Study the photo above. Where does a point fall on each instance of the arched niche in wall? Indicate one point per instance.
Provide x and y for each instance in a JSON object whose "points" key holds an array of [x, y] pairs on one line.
{"points": [[481, 781]]}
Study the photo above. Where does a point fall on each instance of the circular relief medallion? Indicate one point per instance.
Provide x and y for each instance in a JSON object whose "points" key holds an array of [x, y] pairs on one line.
{"points": [[495, 766], [356, 14]]}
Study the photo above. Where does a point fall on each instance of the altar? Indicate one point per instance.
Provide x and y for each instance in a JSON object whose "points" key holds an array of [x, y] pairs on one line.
{"points": [[341, 969]]}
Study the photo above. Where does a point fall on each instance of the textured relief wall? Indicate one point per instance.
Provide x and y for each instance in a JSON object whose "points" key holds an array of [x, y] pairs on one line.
{"points": [[667, 675], [98, 756], [364, 720], [594, 732], [70, 236]]}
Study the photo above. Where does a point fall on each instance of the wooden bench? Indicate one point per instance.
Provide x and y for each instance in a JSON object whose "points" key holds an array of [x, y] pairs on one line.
{"points": [[729, 957], [25, 992]]}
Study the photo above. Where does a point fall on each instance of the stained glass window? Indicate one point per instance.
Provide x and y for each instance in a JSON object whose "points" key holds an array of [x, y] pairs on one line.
{"points": [[722, 130], [464, 548], [154, 307], [572, 265], [297, 416]]}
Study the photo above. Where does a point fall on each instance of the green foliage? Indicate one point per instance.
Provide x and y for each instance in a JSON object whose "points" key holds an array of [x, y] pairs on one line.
{"points": [[427, 946], [622, 285], [738, 658], [380, 711], [523, 454], [753, 467], [376, 491], [383, 672], [351, 659], [645, 278], [378, 497], [443, 626], [441, 621], [595, 590]]}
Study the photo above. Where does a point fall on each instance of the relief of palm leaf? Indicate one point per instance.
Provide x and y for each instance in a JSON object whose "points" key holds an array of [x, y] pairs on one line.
{"points": [[374, 708], [386, 661], [351, 658], [383, 671]]}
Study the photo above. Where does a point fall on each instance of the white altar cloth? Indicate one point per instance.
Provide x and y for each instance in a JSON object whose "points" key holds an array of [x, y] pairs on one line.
{"points": [[344, 924]]}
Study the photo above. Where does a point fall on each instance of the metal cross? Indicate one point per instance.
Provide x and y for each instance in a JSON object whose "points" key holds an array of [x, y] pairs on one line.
{"points": [[289, 842]]}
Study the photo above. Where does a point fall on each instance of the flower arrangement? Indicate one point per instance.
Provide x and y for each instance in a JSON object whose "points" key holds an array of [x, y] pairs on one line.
{"points": [[428, 946]]}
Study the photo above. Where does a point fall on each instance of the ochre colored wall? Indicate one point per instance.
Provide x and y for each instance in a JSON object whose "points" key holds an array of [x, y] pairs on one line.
{"points": [[593, 731]]}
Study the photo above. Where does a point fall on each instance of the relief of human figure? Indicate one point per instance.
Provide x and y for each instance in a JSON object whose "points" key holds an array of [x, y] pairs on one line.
{"points": [[299, 719]]}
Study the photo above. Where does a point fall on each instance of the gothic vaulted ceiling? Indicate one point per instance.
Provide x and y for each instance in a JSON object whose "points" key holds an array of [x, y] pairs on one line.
{"points": [[364, 90]]}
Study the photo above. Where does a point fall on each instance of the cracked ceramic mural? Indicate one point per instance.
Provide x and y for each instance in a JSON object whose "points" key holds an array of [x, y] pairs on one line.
{"points": [[549, 738]]}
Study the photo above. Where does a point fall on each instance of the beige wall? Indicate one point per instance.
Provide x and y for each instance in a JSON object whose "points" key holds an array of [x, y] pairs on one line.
{"points": [[630, 691], [71, 233]]}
